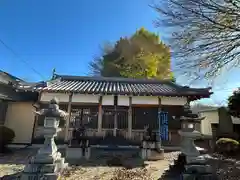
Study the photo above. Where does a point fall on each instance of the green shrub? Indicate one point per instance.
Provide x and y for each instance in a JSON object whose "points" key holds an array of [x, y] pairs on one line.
{"points": [[7, 136], [227, 140], [227, 145]]}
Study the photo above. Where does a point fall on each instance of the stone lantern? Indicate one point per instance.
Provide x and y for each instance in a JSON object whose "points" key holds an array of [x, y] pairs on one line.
{"points": [[196, 164], [189, 133], [48, 162]]}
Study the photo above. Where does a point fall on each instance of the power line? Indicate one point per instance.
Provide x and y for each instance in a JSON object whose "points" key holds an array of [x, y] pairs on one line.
{"points": [[24, 61], [223, 90]]}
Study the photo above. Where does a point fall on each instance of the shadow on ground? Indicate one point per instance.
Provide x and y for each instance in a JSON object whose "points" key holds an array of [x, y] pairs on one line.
{"points": [[15, 176], [17, 156], [99, 157], [128, 158]]}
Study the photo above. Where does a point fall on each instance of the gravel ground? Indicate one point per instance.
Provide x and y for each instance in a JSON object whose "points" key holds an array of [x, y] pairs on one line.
{"points": [[97, 169], [150, 170], [226, 168], [14, 163]]}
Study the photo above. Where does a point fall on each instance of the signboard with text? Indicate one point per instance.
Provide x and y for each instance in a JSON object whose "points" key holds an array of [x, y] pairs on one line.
{"points": [[163, 125]]}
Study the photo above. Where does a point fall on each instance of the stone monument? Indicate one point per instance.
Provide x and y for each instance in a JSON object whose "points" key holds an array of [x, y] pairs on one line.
{"points": [[79, 146], [196, 165], [47, 163], [151, 145]]}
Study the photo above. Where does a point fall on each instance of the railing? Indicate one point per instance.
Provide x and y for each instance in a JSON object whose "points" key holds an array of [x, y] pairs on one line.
{"points": [[137, 135]]}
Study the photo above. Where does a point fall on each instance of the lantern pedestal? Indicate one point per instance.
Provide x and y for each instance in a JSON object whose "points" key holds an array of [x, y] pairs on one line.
{"points": [[47, 163], [188, 146]]}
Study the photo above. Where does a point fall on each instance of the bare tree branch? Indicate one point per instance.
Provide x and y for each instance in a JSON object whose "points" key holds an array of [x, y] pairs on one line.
{"points": [[206, 33]]}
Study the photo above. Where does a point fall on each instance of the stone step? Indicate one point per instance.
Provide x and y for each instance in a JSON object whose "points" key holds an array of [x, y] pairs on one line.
{"points": [[33, 176], [170, 175], [199, 168], [207, 176], [40, 168]]}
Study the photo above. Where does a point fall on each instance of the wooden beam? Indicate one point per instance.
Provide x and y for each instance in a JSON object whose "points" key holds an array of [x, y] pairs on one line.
{"points": [[100, 113], [130, 118], [145, 105], [69, 117]]}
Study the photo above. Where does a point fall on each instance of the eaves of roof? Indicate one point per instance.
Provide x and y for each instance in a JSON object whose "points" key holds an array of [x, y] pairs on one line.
{"points": [[122, 86]]}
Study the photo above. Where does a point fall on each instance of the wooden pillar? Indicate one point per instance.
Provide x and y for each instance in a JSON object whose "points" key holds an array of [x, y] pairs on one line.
{"points": [[69, 117], [159, 104], [115, 116], [159, 110], [130, 118], [100, 113]]}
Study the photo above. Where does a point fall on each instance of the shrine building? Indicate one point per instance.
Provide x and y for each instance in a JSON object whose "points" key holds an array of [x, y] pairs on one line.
{"points": [[119, 108]]}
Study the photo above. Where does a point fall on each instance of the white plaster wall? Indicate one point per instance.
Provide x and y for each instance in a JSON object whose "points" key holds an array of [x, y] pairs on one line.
{"points": [[46, 97], [145, 100], [235, 120], [20, 118], [123, 100], [211, 117], [173, 100], [108, 100], [85, 98]]}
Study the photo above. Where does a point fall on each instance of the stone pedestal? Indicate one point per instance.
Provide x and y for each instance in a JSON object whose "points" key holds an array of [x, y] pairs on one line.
{"points": [[188, 146], [150, 151], [75, 152], [198, 169], [48, 163]]}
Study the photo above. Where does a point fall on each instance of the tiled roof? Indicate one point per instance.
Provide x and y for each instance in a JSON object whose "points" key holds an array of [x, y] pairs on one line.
{"points": [[15, 89], [10, 93], [27, 86], [7, 78], [121, 86]]}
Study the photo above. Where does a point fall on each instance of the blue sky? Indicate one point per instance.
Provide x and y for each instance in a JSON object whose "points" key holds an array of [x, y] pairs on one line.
{"points": [[66, 35]]}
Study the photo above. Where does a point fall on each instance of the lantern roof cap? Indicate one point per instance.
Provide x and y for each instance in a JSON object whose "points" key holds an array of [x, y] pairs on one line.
{"points": [[188, 115], [54, 101], [52, 110]]}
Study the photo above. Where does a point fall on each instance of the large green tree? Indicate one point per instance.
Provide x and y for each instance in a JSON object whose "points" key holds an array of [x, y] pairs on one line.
{"points": [[205, 34], [141, 55], [234, 104]]}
